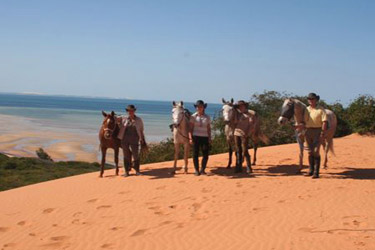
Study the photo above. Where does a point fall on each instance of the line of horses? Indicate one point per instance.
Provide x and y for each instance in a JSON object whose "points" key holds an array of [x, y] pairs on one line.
{"points": [[291, 108]]}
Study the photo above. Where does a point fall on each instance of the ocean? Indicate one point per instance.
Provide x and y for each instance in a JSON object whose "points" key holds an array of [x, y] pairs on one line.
{"points": [[83, 114]]}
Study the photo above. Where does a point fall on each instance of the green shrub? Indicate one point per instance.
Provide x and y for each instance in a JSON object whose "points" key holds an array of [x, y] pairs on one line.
{"points": [[361, 114], [43, 155]]}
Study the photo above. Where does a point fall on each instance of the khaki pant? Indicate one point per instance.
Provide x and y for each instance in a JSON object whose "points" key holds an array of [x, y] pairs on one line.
{"points": [[312, 136]]}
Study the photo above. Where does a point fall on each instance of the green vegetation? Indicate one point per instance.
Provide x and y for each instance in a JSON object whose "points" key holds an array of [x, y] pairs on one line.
{"points": [[43, 155], [358, 117], [21, 171]]}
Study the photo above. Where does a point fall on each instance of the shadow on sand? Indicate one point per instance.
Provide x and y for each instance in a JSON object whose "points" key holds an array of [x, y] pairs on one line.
{"points": [[355, 173]]}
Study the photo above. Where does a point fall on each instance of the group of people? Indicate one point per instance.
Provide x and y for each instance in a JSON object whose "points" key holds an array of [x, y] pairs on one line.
{"points": [[132, 136]]}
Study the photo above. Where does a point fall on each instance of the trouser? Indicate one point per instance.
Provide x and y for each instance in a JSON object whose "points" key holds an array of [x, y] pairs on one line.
{"points": [[312, 136], [130, 150], [202, 143], [242, 151]]}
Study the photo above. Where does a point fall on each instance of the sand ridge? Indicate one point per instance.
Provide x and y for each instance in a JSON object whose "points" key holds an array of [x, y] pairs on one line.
{"points": [[273, 209]]}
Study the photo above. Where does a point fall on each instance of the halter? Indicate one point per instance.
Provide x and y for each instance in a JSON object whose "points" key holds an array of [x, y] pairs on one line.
{"points": [[110, 130], [185, 114]]}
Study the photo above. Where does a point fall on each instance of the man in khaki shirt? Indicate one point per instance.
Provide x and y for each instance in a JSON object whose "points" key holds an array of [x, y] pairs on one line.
{"points": [[316, 125], [241, 136]]}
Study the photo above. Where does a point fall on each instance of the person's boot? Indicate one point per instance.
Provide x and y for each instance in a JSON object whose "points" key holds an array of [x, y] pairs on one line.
{"points": [[204, 164], [238, 168], [126, 168], [317, 167], [136, 167], [196, 167], [311, 165], [249, 170]]}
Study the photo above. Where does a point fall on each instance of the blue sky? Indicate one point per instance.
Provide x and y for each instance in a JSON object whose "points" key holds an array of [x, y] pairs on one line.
{"points": [[165, 50]]}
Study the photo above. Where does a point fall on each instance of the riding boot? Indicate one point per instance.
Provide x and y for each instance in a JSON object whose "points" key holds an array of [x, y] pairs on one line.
{"points": [[311, 165], [249, 170], [196, 166], [204, 164], [136, 167], [126, 168], [238, 163], [317, 167]]}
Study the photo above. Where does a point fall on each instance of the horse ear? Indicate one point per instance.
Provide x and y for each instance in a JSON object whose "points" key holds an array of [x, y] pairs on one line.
{"points": [[231, 101], [223, 100], [182, 103], [104, 113], [174, 104], [113, 113]]}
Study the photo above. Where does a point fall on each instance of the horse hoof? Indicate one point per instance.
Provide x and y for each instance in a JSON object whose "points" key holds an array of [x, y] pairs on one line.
{"points": [[228, 167], [100, 176]]}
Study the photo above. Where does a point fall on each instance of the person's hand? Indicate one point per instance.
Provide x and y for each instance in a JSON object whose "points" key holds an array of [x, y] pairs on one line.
{"points": [[210, 141], [191, 141], [141, 141]]}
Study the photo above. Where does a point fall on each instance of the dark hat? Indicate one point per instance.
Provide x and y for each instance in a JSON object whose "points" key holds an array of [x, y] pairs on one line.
{"points": [[313, 96], [242, 102], [131, 107], [200, 103]]}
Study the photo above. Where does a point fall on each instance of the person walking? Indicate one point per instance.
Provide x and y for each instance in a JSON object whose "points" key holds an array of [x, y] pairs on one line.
{"points": [[131, 135], [316, 126], [241, 136], [200, 136]]}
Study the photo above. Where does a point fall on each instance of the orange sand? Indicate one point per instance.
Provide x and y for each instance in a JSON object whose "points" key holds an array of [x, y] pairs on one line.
{"points": [[275, 209]]}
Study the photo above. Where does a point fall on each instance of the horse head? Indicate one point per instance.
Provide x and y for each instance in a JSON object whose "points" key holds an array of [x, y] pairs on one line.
{"points": [[109, 124], [287, 111], [177, 112], [228, 110]]}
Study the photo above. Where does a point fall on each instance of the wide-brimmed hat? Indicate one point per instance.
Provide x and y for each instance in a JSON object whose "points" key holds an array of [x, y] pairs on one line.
{"points": [[200, 103], [241, 102], [313, 96], [131, 107]]}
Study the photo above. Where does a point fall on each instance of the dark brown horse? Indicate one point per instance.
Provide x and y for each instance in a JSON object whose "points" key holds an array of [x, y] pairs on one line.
{"points": [[108, 138]]}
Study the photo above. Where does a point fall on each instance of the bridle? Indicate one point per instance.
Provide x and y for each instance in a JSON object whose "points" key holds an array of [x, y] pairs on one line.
{"points": [[109, 130], [185, 114]]}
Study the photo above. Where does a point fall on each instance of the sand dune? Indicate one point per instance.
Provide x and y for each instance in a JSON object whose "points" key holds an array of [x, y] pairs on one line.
{"points": [[274, 209]]}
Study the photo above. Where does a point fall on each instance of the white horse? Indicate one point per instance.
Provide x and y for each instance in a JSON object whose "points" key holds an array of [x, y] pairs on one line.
{"points": [[180, 126], [297, 109], [230, 114]]}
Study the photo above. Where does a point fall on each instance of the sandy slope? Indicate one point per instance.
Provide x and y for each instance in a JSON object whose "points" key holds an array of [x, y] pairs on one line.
{"points": [[276, 209]]}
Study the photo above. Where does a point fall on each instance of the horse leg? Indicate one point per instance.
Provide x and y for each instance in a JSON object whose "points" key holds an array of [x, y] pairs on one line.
{"points": [[326, 149], [116, 158], [186, 156], [176, 153], [230, 155], [255, 153], [104, 153], [300, 157]]}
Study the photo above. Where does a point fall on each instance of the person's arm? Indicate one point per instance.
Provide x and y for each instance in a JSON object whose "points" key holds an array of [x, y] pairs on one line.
{"points": [[191, 129], [141, 127]]}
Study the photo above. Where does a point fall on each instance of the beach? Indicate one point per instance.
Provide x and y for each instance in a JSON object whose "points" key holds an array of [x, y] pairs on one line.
{"points": [[274, 209]]}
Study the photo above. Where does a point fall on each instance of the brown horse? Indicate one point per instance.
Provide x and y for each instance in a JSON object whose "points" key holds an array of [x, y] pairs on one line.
{"points": [[108, 138]]}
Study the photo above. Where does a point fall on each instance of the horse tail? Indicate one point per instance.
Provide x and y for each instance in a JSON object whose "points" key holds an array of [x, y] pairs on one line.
{"points": [[330, 147]]}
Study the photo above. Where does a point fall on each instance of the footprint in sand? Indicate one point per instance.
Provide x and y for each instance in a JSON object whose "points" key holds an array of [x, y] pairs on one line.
{"points": [[161, 188], [115, 228], [165, 223], [104, 206], [92, 200], [3, 229], [206, 190], [32, 234], [139, 232], [59, 238], [106, 245], [48, 210], [21, 223], [123, 192]]}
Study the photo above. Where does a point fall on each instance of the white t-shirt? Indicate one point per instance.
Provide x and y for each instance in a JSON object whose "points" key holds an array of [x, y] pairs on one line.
{"points": [[200, 124]]}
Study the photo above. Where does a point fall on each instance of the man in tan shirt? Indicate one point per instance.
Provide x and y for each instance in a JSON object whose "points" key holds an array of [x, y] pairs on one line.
{"points": [[316, 125]]}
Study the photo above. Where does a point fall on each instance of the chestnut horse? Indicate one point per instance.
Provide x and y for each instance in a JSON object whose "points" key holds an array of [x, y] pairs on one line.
{"points": [[108, 139]]}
